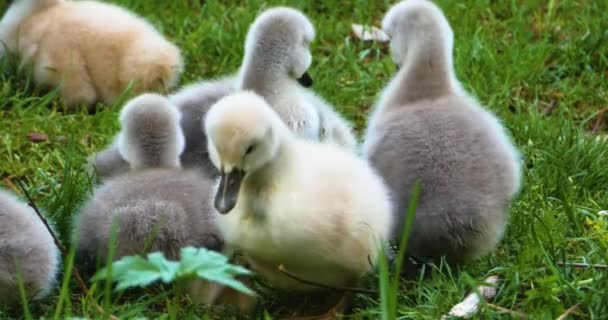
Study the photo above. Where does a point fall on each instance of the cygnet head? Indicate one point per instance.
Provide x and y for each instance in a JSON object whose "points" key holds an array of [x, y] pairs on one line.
{"points": [[243, 136], [278, 43], [415, 24], [151, 135]]}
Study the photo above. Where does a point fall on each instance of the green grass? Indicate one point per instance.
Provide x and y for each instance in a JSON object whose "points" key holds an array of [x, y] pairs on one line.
{"points": [[518, 57]]}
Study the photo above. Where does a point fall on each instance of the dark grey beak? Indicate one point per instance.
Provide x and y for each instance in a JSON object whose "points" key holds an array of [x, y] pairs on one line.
{"points": [[228, 191], [305, 80]]}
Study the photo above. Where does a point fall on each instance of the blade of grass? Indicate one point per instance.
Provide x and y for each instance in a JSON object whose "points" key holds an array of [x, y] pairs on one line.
{"points": [[22, 293]]}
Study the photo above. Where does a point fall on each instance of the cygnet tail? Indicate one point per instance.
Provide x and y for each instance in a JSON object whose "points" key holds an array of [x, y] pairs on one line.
{"points": [[16, 13], [151, 225]]}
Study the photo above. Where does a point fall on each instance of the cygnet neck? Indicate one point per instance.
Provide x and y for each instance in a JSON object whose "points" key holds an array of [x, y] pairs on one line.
{"points": [[156, 159], [266, 78], [427, 72]]}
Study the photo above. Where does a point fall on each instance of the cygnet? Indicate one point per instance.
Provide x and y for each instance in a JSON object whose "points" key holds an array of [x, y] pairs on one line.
{"points": [[277, 58], [426, 128], [92, 50], [156, 205], [315, 208]]}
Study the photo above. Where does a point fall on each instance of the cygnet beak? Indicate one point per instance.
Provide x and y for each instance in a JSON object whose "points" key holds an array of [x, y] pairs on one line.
{"points": [[228, 191], [305, 80]]}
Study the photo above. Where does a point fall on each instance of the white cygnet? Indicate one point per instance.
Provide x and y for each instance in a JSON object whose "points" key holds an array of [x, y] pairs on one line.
{"points": [[315, 208], [426, 128]]}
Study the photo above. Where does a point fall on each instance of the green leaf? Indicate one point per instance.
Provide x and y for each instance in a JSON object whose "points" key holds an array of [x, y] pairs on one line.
{"points": [[135, 271], [167, 270], [212, 266]]}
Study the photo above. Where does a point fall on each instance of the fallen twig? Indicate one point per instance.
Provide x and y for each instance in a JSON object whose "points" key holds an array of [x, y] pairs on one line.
{"points": [[63, 250], [598, 120], [549, 109], [568, 312], [582, 265], [321, 285], [471, 303], [514, 313]]}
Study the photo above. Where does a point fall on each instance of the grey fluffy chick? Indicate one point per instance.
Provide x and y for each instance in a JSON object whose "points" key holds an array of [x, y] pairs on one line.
{"points": [[25, 245], [156, 206], [426, 127], [276, 61]]}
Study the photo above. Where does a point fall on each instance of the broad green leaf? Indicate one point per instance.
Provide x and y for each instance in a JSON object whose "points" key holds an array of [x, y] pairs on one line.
{"points": [[136, 271], [167, 270]]}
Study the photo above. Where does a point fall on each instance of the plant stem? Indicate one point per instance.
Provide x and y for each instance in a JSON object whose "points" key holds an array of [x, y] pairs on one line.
{"points": [[320, 285], [581, 265], [568, 312]]}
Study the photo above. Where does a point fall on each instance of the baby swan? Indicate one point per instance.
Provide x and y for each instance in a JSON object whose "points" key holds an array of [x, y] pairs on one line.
{"points": [[27, 252], [315, 208], [426, 127], [71, 45], [277, 58], [156, 205]]}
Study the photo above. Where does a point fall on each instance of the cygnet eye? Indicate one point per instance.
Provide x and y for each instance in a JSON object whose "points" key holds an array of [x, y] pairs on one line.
{"points": [[250, 149]]}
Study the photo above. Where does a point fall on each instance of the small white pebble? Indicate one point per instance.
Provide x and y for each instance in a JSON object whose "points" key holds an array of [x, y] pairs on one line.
{"points": [[367, 33], [468, 307]]}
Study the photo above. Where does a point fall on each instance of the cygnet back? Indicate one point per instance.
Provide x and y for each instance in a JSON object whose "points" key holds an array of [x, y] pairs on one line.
{"points": [[170, 206]]}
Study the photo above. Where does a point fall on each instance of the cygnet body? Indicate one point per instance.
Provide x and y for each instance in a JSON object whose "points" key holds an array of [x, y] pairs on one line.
{"points": [[426, 128], [71, 44], [315, 208], [27, 252], [155, 202]]}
